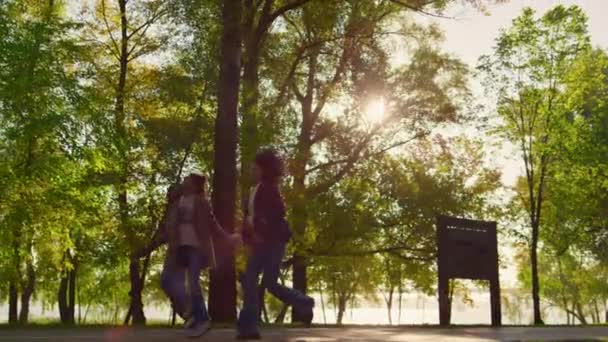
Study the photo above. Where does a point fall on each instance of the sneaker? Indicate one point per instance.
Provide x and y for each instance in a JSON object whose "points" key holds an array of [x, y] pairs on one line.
{"points": [[307, 313], [185, 315], [198, 329], [249, 337], [307, 317], [189, 322]]}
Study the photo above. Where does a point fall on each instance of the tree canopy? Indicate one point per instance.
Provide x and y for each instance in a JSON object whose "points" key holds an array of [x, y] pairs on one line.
{"points": [[105, 103]]}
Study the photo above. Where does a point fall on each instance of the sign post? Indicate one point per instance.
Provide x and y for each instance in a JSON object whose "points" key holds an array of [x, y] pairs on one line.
{"points": [[467, 249]]}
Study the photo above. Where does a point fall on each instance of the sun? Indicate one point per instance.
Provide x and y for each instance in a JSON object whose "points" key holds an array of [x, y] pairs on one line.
{"points": [[375, 111]]}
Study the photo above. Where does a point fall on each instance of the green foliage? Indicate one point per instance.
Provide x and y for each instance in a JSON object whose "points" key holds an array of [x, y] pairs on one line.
{"points": [[385, 214], [551, 89], [82, 124], [528, 75]]}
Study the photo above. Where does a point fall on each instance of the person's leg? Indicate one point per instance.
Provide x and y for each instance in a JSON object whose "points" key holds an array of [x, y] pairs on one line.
{"points": [[196, 262], [248, 318], [290, 296], [201, 322], [172, 280]]}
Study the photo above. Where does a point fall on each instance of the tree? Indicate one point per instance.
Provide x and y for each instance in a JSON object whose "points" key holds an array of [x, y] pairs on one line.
{"points": [[122, 33], [337, 56], [257, 21], [526, 72], [222, 291], [39, 127], [581, 176]]}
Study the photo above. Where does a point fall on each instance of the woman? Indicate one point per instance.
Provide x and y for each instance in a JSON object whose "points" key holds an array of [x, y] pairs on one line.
{"points": [[175, 290], [267, 232], [195, 233]]}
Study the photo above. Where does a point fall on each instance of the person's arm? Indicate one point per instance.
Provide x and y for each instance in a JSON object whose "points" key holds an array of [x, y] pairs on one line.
{"points": [[215, 228], [160, 236], [270, 213]]}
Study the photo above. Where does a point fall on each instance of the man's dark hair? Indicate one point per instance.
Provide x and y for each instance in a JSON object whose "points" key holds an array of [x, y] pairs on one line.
{"points": [[271, 164], [198, 181]]}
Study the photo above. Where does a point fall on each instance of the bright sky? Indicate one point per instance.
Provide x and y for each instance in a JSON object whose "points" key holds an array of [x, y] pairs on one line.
{"points": [[472, 33]]}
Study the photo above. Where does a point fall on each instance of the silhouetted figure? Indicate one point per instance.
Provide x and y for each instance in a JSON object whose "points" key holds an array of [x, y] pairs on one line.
{"points": [[266, 232], [192, 233]]}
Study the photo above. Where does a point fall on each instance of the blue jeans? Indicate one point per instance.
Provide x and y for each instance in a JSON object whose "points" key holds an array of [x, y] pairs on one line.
{"points": [[174, 284], [268, 260]]}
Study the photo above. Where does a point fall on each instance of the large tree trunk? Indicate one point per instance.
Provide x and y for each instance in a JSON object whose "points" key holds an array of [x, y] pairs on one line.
{"points": [[249, 131], [222, 286], [136, 309], [26, 294], [71, 313], [594, 317], [535, 281], [389, 305], [581, 314], [136, 305], [13, 299], [66, 297], [300, 281], [400, 304], [258, 17], [341, 309], [62, 299], [299, 210]]}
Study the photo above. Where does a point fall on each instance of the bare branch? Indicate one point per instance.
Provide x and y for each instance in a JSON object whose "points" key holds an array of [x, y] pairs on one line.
{"points": [[346, 54], [149, 22], [420, 10], [295, 26], [109, 48], [138, 44], [285, 8], [105, 20], [369, 155], [289, 78], [297, 91], [350, 163]]}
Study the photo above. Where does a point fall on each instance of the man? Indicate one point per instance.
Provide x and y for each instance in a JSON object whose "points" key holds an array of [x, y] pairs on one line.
{"points": [[267, 232]]}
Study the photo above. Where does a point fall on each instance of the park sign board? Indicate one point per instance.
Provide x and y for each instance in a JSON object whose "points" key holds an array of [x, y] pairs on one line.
{"points": [[467, 249]]}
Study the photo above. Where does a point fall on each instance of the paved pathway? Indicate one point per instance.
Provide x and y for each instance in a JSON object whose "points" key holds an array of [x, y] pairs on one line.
{"points": [[420, 334]]}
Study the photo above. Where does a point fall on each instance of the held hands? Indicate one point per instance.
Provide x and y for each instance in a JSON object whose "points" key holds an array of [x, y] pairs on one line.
{"points": [[250, 237], [235, 240]]}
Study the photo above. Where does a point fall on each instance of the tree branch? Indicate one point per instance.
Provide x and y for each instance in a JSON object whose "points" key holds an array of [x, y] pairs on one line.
{"points": [[289, 79], [149, 22], [419, 9], [105, 20], [285, 8], [374, 154]]}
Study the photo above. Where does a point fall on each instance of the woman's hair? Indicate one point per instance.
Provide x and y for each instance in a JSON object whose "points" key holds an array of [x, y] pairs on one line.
{"points": [[174, 192], [271, 164], [198, 182]]}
